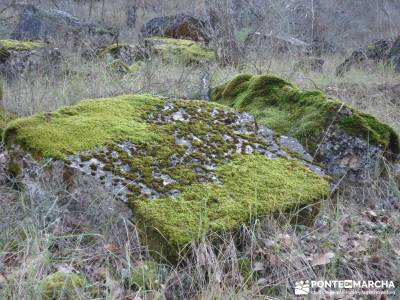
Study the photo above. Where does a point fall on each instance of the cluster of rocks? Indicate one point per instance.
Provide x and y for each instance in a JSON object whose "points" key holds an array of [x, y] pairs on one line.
{"points": [[161, 36], [47, 28], [54, 26]]}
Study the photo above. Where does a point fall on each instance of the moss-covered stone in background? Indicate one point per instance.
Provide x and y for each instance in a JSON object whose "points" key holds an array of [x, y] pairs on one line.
{"points": [[61, 285], [119, 66], [8, 45], [121, 51], [186, 51], [305, 115], [17, 57]]}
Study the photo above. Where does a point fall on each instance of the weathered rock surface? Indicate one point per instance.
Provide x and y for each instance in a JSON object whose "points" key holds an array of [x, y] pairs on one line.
{"points": [[17, 57], [373, 53], [51, 25], [345, 141], [185, 167], [178, 27]]}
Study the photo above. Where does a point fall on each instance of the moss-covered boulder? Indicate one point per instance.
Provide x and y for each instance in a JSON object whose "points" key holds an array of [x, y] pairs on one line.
{"points": [[179, 50], [185, 167], [19, 56], [7, 45], [345, 140]]}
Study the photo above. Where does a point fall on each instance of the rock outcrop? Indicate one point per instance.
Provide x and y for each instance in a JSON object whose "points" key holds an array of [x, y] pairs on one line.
{"points": [[178, 27], [51, 25], [186, 168], [373, 53], [345, 141], [17, 57]]}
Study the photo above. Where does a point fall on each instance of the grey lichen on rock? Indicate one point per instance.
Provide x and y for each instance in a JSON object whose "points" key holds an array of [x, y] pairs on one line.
{"points": [[185, 167]]}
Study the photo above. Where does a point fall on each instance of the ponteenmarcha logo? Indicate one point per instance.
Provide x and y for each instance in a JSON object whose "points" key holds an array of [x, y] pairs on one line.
{"points": [[353, 287]]}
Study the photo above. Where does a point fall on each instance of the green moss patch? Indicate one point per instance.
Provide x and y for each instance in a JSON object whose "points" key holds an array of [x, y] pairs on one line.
{"points": [[253, 186], [87, 125], [180, 50], [305, 115], [20, 45]]}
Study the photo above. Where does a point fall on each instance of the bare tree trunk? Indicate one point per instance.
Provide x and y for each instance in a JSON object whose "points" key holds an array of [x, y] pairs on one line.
{"points": [[131, 10], [102, 11], [90, 8], [312, 20]]}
